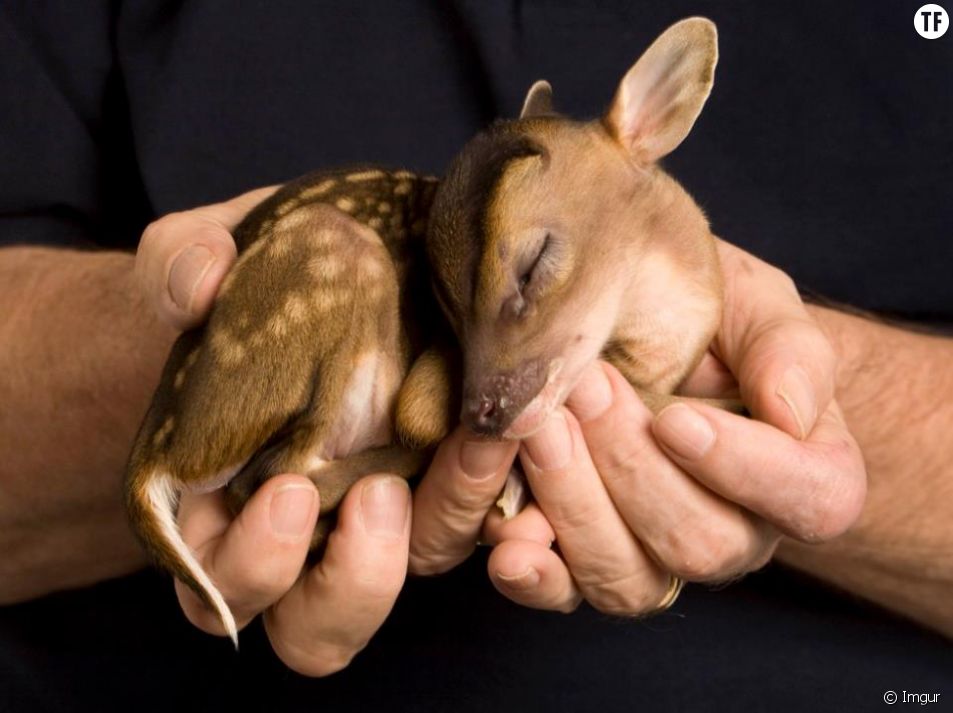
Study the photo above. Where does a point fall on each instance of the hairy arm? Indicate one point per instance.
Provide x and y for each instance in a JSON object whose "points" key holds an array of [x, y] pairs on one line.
{"points": [[896, 390], [80, 354]]}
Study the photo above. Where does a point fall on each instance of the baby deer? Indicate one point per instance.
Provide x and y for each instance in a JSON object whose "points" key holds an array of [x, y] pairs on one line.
{"points": [[549, 243]]}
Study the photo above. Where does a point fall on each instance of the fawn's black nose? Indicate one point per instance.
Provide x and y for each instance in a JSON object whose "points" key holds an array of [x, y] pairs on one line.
{"points": [[483, 415], [491, 402]]}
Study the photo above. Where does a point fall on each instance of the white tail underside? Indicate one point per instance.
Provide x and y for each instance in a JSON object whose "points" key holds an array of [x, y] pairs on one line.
{"points": [[163, 495]]}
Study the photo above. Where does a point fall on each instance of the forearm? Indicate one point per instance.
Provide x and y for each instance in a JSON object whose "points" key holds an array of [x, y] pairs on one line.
{"points": [[896, 390], [80, 354]]}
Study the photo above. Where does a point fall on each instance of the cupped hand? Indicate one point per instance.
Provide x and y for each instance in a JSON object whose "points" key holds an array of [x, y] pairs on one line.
{"points": [[627, 502], [317, 619]]}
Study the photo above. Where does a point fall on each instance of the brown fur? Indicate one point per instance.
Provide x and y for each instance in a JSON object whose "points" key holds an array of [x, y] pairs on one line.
{"points": [[328, 271], [549, 243]]}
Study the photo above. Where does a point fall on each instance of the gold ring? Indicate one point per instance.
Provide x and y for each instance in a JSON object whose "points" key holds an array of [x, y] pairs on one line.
{"points": [[671, 594]]}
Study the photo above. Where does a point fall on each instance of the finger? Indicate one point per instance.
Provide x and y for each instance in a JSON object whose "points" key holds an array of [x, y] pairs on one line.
{"points": [[609, 566], [462, 483], [183, 257], [530, 524], [711, 380], [331, 612], [531, 574], [812, 490], [255, 558], [784, 363], [689, 530]]}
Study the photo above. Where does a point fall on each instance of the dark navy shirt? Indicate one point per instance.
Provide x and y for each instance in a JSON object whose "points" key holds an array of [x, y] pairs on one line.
{"points": [[826, 148]]}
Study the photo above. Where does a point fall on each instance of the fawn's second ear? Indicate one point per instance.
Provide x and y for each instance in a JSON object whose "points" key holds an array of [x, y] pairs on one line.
{"points": [[663, 93], [538, 101]]}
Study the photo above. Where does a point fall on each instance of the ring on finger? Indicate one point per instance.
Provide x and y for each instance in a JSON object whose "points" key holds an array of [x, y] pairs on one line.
{"points": [[671, 594]]}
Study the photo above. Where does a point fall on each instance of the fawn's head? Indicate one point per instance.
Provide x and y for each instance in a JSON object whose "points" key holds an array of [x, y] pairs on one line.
{"points": [[533, 228]]}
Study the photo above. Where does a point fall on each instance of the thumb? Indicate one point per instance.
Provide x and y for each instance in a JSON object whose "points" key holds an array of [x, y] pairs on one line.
{"points": [[783, 361], [183, 257]]}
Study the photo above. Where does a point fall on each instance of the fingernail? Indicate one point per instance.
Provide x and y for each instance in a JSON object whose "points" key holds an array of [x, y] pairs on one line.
{"points": [[797, 391], [523, 581], [481, 459], [384, 507], [293, 510], [550, 448], [592, 395], [187, 272], [685, 431]]}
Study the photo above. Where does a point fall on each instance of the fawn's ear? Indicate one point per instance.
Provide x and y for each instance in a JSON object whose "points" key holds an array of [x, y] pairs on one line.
{"points": [[538, 101], [663, 93]]}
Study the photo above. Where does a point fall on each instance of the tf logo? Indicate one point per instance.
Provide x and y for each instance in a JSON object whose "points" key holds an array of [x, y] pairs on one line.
{"points": [[931, 21]]}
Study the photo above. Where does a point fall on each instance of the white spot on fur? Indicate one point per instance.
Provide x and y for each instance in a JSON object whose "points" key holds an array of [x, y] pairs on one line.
{"points": [[318, 190], [278, 325], [321, 239], [296, 308], [313, 462], [293, 221], [326, 268], [327, 299], [279, 247], [371, 267], [163, 433], [345, 204], [364, 176], [229, 351], [252, 250], [286, 207]]}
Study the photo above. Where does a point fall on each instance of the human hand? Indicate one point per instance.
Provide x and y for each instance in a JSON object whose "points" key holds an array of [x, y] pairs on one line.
{"points": [[317, 619], [695, 492]]}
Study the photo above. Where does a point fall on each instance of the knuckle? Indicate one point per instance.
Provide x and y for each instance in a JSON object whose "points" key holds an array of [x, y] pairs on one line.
{"points": [[375, 587], [701, 556], [832, 511], [619, 461], [622, 596], [318, 660], [173, 229], [162, 230], [319, 668], [329, 660], [466, 500], [430, 561], [782, 281], [837, 496], [569, 605], [823, 351], [152, 235], [256, 584], [569, 518]]}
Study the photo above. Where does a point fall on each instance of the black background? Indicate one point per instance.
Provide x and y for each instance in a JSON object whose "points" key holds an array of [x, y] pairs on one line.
{"points": [[826, 148]]}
